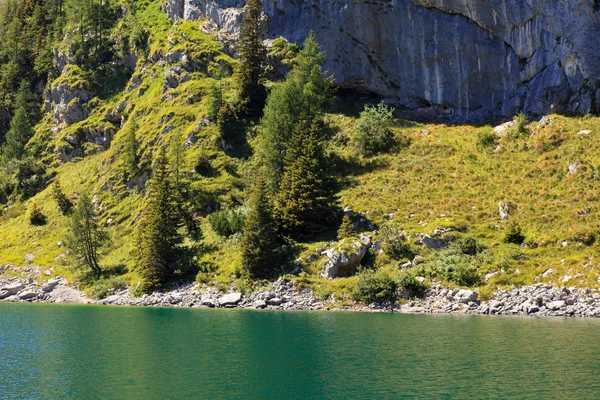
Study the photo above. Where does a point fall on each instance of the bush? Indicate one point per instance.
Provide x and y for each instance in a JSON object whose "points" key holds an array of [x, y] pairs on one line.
{"points": [[395, 245], [486, 138], [452, 266], [372, 134], [36, 217], [227, 223], [585, 237], [514, 234], [519, 130], [108, 286], [372, 287], [415, 287], [470, 246], [62, 201]]}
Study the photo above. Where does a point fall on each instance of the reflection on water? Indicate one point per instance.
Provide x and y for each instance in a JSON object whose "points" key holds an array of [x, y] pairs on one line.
{"points": [[49, 351]]}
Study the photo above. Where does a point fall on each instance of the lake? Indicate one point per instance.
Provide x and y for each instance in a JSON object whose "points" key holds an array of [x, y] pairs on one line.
{"points": [[95, 352]]}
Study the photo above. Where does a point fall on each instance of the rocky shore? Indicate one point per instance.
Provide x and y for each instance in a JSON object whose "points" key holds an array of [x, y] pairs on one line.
{"points": [[536, 300]]}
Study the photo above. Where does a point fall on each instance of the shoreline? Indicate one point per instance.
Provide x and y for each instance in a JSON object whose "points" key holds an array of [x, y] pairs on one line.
{"points": [[537, 300]]}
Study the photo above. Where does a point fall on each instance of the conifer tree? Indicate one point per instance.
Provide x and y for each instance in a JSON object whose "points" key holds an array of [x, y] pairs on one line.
{"points": [[161, 243], [253, 58], [259, 239], [86, 236], [62, 201], [21, 126], [131, 149], [346, 228], [301, 97], [306, 203]]}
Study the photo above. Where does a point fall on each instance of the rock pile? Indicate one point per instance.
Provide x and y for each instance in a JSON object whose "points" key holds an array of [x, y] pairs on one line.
{"points": [[55, 290], [539, 300]]}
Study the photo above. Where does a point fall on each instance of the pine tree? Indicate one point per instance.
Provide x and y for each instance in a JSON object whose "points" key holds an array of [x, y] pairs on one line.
{"points": [[306, 203], [253, 58], [86, 236], [131, 149], [346, 228], [161, 243], [302, 97], [21, 126], [62, 201], [259, 239]]}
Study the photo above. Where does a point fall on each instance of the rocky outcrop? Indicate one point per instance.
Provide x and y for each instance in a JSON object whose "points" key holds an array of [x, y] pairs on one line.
{"points": [[343, 258], [67, 98], [466, 60]]}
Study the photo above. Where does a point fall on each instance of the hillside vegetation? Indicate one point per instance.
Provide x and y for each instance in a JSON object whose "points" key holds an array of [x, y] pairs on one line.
{"points": [[503, 207]]}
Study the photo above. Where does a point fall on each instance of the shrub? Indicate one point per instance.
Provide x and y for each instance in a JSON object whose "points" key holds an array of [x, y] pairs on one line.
{"points": [[108, 286], [519, 130], [585, 237], [372, 134], [395, 243], [486, 138], [36, 217], [514, 234], [415, 287], [227, 223], [374, 286], [62, 201], [452, 266], [470, 246]]}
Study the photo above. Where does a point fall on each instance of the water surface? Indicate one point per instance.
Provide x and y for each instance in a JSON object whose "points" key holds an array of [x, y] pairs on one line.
{"points": [[89, 352]]}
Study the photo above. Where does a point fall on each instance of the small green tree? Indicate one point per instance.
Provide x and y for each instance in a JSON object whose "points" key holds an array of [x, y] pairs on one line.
{"points": [[215, 100], [374, 287], [514, 234], [259, 239], [372, 133], [62, 201], [131, 148], [161, 244], [253, 58], [36, 217], [346, 228], [86, 236], [519, 128]]}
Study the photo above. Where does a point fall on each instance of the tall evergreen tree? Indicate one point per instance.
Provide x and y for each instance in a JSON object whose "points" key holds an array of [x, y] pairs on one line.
{"points": [[253, 58], [306, 203], [161, 248], [301, 97], [21, 126], [259, 239], [86, 236]]}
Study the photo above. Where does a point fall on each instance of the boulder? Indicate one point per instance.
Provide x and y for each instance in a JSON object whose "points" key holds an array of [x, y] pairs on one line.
{"points": [[555, 305], [27, 295], [260, 304], [11, 289], [343, 259], [465, 296], [50, 285], [432, 242], [275, 301], [230, 300]]}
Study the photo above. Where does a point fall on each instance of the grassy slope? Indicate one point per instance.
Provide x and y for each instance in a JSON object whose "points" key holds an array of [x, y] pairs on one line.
{"points": [[442, 178]]}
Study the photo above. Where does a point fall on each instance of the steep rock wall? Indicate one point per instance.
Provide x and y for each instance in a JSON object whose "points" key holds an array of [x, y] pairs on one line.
{"points": [[467, 59]]}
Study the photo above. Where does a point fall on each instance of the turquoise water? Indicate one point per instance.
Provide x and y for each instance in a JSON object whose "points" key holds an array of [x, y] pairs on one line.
{"points": [[89, 352]]}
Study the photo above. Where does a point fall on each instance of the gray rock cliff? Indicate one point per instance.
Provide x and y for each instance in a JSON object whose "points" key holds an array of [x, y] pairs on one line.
{"points": [[466, 59]]}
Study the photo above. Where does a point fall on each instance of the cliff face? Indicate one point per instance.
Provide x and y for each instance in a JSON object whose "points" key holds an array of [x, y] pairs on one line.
{"points": [[469, 59]]}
